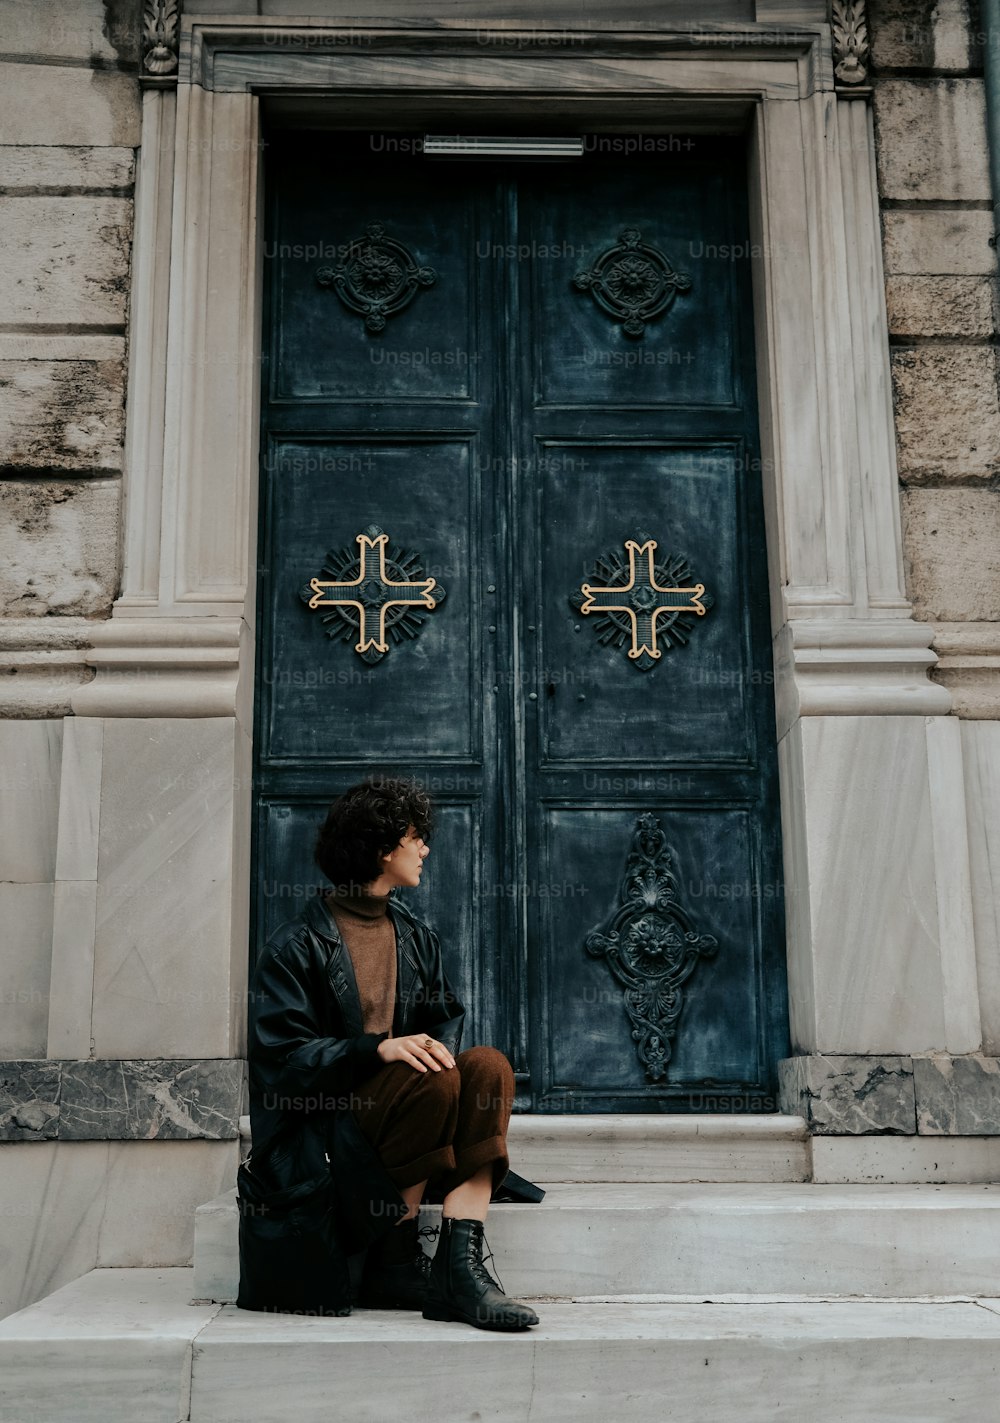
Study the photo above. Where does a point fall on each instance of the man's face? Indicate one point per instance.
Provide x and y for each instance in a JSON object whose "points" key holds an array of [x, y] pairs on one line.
{"points": [[404, 865]]}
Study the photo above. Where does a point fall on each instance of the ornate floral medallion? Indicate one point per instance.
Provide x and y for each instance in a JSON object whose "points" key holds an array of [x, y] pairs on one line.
{"points": [[633, 282], [377, 278]]}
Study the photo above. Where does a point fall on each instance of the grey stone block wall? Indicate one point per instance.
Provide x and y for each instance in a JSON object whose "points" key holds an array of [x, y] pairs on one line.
{"points": [[941, 292], [69, 116]]}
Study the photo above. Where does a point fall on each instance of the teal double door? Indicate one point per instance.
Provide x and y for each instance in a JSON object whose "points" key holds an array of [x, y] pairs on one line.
{"points": [[512, 543]]}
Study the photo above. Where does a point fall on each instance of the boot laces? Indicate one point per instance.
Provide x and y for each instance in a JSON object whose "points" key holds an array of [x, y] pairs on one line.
{"points": [[478, 1265]]}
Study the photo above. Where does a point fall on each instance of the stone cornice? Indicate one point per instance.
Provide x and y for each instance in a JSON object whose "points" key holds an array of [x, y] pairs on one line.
{"points": [[276, 52], [855, 667], [42, 663], [166, 666], [189, 666], [969, 666]]}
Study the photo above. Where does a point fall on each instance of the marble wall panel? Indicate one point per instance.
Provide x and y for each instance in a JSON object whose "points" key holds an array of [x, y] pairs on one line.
{"points": [[29, 1101], [875, 949], [71, 1206], [162, 957], [908, 1160], [981, 762], [26, 917], [98, 1100], [71, 989], [30, 757]]}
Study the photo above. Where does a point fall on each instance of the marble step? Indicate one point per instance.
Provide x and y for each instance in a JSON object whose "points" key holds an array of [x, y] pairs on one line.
{"points": [[725, 1146], [126, 1346], [771, 1237]]}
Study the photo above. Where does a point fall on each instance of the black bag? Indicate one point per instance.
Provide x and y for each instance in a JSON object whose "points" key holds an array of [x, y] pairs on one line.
{"points": [[291, 1259], [517, 1188]]}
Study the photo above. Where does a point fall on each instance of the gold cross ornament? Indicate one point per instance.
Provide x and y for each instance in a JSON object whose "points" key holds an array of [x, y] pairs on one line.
{"points": [[370, 588], [642, 597]]}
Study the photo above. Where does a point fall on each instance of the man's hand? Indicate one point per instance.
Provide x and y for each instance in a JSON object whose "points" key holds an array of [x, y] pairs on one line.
{"points": [[420, 1050]]}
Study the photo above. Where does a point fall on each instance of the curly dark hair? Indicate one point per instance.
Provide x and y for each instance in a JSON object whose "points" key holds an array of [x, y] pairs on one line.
{"points": [[368, 821]]}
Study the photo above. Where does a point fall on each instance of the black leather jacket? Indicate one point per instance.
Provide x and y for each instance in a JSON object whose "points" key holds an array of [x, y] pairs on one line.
{"points": [[307, 1046]]}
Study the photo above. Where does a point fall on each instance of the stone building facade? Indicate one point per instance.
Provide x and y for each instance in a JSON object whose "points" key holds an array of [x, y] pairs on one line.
{"points": [[128, 421]]}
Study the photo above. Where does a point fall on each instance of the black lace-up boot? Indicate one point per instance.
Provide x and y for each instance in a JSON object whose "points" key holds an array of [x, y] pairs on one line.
{"points": [[396, 1270], [461, 1287]]}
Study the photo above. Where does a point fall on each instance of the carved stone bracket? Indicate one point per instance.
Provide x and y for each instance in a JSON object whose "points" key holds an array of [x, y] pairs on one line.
{"points": [[650, 946], [851, 48], [387, 589], [160, 25], [377, 278], [633, 282]]}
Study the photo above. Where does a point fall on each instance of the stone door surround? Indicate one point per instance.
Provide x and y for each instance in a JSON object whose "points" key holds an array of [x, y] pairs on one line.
{"points": [[857, 714]]}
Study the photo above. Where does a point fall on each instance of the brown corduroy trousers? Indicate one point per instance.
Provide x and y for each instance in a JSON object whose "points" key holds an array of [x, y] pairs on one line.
{"points": [[440, 1126]]}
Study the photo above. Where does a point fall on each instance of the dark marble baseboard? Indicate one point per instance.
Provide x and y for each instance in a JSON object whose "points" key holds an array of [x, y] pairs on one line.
{"points": [[854, 1094], [154, 1099]]}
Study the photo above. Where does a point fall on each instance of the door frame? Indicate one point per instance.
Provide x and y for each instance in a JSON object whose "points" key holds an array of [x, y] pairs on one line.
{"points": [[180, 643]]}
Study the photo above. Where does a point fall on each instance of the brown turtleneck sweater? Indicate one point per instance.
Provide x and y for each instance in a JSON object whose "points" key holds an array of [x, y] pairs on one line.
{"points": [[367, 930]]}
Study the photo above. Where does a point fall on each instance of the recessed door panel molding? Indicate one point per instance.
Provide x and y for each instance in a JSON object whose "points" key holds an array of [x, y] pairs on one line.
{"points": [[593, 1062], [371, 594], [376, 278], [322, 696], [691, 703], [635, 326], [376, 299]]}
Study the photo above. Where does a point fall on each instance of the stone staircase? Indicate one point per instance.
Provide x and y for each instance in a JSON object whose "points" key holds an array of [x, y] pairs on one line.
{"points": [[683, 1267]]}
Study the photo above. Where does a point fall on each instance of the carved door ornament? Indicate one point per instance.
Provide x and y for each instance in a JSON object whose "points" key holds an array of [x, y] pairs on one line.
{"points": [[633, 282], [377, 278], [369, 597], [650, 946], [643, 602]]}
